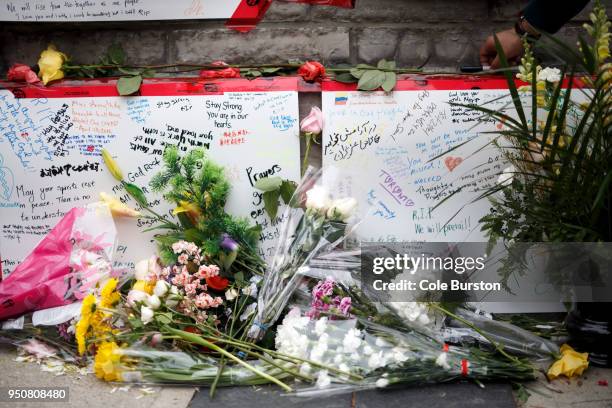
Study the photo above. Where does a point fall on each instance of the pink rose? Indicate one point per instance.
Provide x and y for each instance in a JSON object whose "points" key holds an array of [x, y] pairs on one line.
{"points": [[313, 123], [22, 73]]}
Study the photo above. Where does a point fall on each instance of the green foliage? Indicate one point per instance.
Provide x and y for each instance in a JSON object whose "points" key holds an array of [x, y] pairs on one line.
{"points": [[128, 85], [199, 188], [561, 186], [370, 78], [274, 188]]}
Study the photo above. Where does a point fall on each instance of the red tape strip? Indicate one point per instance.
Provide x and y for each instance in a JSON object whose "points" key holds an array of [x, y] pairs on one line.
{"points": [[465, 367], [247, 15]]}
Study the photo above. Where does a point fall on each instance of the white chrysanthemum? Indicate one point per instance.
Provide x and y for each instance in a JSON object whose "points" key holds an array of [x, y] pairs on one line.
{"points": [[442, 360], [367, 350], [377, 360], [380, 342], [382, 382], [318, 351], [321, 326], [323, 380], [352, 340], [399, 355]]}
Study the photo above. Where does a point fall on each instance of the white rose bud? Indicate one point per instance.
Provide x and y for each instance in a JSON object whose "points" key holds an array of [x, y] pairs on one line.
{"points": [[142, 270], [317, 198], [146, 314], [342, 209], [231, 294], [153, 302], [173, 297], [161, 288], [135, 296]]}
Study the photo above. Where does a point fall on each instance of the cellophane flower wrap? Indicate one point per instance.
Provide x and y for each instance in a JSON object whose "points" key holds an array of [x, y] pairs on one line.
{"points": [[65, 266], [313, 224]]}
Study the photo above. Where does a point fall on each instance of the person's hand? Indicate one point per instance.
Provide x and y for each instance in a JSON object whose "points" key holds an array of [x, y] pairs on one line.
{"points": [[511, 44]]}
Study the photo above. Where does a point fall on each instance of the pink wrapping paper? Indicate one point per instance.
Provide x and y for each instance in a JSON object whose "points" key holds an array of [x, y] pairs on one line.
{"points": [[64, 266]]}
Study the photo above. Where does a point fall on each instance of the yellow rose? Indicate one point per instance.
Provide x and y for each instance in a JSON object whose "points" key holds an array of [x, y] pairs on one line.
{"points": [[50, 64], [570, 364]]}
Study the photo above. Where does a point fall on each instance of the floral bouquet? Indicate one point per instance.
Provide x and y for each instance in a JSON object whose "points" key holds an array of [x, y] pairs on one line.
{"points": [[65, 266], [314, 224]]}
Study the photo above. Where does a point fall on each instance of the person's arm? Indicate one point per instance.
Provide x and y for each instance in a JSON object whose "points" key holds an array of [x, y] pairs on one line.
{"points": [[551, 15], [538, 16]]}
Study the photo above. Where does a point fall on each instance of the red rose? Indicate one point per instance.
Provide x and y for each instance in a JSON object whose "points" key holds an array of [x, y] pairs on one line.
{"points": [[22, 73], [311, 70], [220, 73], [217, 282]]}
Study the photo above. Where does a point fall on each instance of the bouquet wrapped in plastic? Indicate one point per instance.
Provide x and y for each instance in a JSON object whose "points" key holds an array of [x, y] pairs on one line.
{"points": [[314, 224], [65, 266]]}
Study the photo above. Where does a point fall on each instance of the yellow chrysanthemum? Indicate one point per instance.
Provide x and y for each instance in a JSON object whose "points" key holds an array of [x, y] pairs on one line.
{"points": [[107, 363], [109, 296], [82, 327], [570, 364]]}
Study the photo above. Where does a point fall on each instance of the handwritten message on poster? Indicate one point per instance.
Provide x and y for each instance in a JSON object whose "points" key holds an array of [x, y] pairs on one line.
{"points": [[384, 148], [50, 157], [116, 10]]}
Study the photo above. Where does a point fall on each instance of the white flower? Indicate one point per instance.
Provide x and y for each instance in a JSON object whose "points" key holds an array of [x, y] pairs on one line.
{"points": [[380, 342], [342, 209], [399, 354], [323, 379], [317, 198], [146, 314], [153, 302], [352, 340], [141, 270], [441, 361], [549, 74], [305, 368], [135, 296], [376, 360], [505, 178], [161, 288], [173, 297], [367, 350], [382, 382], [231, 294], [318, 351], [320, 326]]}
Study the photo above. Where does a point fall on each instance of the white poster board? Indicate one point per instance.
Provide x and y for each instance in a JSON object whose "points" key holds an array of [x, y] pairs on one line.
{"points": [[382, 149], [126, 10], [50, 153]]}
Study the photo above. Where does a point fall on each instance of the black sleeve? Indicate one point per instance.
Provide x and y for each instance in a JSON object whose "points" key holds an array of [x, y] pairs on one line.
{"points": [[551, 15]]}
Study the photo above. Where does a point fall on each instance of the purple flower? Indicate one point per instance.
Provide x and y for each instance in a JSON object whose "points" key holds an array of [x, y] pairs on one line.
{"points": [[345, 305], [228, 243]]}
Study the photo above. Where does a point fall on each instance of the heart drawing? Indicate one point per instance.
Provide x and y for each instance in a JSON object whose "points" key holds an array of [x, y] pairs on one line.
{"points": [[451, 162]]}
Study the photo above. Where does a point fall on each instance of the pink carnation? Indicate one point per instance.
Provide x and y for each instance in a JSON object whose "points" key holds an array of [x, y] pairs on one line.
{"points": [[183, 259], [208, 271]]}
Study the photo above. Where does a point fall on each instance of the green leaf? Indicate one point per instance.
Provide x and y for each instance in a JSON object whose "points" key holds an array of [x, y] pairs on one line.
{"points": [[148, 73], [384, 64], [509, 74], [271, 202], [268, 183], [136, 193], [128, 71], [163, 318], [253, 73], [346, 77], [194, 235], [239, 277], [271, 70], [287, 189], [389, 82], [129, 85], [371, 80], [116, 54], [357, 73]]}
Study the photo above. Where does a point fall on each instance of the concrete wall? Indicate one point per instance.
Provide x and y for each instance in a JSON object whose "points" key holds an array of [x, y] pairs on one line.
{"points": [[445, 33]]}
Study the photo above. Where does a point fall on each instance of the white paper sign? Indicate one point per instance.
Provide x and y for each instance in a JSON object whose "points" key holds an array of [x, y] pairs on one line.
{"points": [[50, 157], [115, 10]]}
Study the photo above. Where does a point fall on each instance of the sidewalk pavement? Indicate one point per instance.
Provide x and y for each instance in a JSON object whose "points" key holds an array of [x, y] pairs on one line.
{"points": [[86, 391]]}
